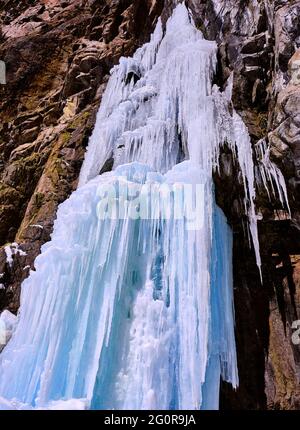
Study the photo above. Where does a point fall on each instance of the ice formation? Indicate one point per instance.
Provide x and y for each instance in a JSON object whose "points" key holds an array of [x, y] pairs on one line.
{"points": [[272, 179], [131, 311], [160, 107], [127, 313]]}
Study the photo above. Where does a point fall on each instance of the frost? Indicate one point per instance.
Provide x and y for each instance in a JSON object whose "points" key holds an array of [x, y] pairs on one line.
{"points": [[60, 405], [150, 105]]}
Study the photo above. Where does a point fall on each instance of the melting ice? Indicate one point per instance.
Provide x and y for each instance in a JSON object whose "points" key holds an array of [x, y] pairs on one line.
{"points": [[137, 312]]}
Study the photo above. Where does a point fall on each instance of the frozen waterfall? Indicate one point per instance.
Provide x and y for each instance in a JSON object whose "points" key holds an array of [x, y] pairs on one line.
{"points": [[131, 303], [124, 312]]}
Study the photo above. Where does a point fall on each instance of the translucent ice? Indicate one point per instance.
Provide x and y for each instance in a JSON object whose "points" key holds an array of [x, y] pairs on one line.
{"points": [[126, 313]]}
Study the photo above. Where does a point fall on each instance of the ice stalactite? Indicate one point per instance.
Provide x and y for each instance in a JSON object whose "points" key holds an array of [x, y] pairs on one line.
{"points": [[272, 179]]}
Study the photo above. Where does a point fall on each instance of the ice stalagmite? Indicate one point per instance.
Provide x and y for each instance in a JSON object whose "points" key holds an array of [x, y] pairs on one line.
{"points": [[131, 303]]}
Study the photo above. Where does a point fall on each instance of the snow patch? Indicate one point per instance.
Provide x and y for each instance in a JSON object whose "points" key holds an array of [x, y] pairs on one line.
{"points": [[11, 250]]}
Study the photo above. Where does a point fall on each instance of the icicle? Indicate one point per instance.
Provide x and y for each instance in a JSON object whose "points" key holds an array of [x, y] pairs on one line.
{"points": [[271, 176], [245, 159]]}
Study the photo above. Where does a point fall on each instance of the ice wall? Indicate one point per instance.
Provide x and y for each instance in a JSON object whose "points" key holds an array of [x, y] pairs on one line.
{"points": [[131, 311], [124, 312]]}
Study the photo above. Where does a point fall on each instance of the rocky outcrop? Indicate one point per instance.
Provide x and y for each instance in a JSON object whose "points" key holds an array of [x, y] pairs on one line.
{"points": [[58, 56]]}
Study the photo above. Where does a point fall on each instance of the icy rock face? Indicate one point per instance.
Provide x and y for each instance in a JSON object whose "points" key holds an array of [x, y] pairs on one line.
{"points": [[161, 311], [294, 68], [148, 326], [257, 48], [262, 52], [244, 23]]}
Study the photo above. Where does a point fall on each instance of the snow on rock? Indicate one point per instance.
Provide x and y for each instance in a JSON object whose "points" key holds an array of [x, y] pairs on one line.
{"points": [[12, 250], [8, 323]]}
